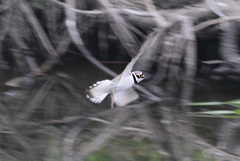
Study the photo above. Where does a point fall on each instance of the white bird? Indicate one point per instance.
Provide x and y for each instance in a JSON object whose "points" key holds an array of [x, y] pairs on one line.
{"points": [[120, 88]]}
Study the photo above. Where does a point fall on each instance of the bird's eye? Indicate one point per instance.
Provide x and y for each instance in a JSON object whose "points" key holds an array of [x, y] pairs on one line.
{"points": [[140, 76]]}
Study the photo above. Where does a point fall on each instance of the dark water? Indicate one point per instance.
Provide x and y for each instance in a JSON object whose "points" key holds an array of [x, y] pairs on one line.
{"points": [[65, 98]]}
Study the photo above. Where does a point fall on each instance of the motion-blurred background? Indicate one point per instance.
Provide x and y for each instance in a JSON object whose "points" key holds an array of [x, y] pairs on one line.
{"points": [[52, 50]]}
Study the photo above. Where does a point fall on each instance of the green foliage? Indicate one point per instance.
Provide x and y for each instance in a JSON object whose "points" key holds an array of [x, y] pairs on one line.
{"points": [[36, 4], [235, 103], [218, 113], [54, 149], [122, 150], [198, 156], [205, 103], [99, 156]]}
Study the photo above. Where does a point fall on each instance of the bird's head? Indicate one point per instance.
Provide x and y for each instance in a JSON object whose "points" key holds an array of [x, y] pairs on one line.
{"points": [[138, 76]]}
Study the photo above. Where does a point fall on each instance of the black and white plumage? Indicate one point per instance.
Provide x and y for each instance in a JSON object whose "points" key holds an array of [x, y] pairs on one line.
{"points": [[120, 88]]}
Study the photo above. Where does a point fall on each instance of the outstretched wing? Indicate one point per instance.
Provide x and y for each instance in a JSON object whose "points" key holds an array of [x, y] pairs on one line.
{"points": [[128, 69], [148, 43]]}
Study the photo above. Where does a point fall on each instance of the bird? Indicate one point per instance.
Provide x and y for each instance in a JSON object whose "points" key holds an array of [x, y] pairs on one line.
{"points": [[120, 88]]}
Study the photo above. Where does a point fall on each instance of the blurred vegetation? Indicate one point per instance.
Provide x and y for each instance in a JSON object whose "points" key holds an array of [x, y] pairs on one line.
{"points": [[126, 150], [218, 113], [52, 50], [198, 156]]}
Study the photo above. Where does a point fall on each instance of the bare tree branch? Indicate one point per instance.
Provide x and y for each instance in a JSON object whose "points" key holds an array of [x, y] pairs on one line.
{"points": [[119, 26], [75, 36], [38, 30]]}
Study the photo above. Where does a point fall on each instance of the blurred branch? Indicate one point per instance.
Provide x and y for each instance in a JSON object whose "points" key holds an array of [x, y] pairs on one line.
{"points": [[229, 48], [119, 26], [5, 19], [143, 18], [9, 156], [41, 35], [97, 142], [189, 59], [163, 56], [18, 138], [37, 99], [71, 7], [76, 38], [63, 44], [71, 119], [158, 135], [176, 58], [106, 134], [75, 93], [206, 24], [52, 24], [4, 29], [6, 4], [171, 47], [190, 64], [72, 29], [213, 150], [68, 142], [160, 20], [212, 5]]}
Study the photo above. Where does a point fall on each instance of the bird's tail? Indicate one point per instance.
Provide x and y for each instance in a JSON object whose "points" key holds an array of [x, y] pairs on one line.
{"points": [[98, 91]]}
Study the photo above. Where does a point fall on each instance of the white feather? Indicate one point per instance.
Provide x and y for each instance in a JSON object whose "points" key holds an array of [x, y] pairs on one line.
{"points": [[124, 97], [100, 90]]}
